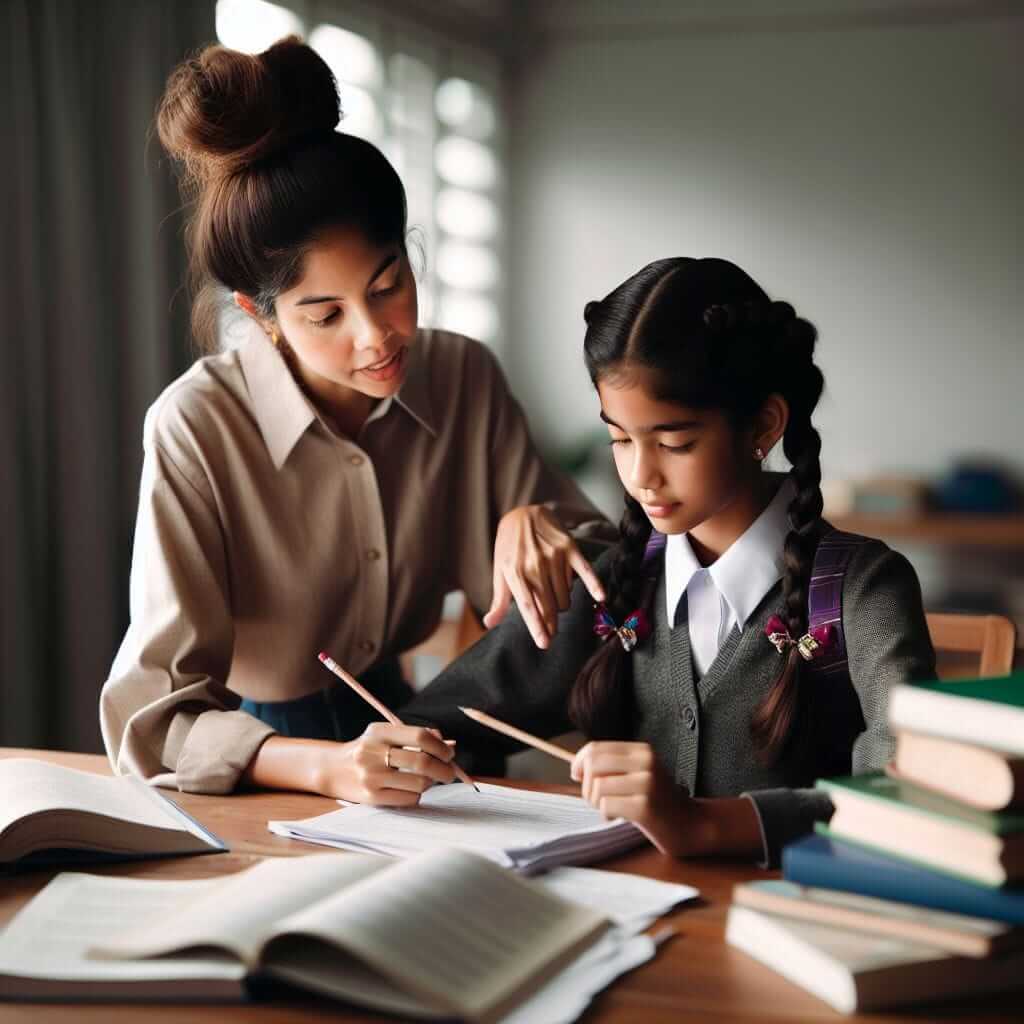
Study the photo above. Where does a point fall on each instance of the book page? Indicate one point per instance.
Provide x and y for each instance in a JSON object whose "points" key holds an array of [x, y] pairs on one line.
{"points": [[28, 786], [49, 938], [496, 819], [240, 911], [449, 926], [631, 901]]}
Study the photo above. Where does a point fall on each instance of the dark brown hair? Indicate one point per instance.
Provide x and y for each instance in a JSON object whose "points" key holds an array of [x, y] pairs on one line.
{"points": [[714, 340], [266, 172]]}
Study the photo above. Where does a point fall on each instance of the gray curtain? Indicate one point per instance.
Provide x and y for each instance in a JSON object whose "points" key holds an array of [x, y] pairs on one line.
{"points": [[94, 324]]}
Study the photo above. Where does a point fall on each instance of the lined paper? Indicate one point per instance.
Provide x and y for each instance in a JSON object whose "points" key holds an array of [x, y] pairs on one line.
{"points": [[50, 937], [448, 923], [514, 827], [631, 901], [28, 786]]}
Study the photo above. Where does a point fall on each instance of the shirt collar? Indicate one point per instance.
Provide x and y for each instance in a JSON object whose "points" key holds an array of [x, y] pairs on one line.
{"points": [[746, 571], [414, 394], [284, 413]]}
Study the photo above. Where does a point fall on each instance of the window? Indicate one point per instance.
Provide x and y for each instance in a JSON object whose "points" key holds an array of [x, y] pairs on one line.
{"points": [[435, 115]]}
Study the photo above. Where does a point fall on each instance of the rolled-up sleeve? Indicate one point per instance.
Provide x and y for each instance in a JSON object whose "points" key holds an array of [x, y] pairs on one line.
{"points": [[166, 712], [887, 642]]}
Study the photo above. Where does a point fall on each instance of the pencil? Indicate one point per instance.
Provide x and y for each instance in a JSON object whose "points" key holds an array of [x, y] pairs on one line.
{"points": [[383, 709], [518, 734]]}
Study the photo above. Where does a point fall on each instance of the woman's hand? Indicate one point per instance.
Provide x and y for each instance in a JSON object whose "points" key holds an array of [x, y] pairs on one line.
{"points": [[379, 768], [626, 780], [365, 770], [534, 563]]}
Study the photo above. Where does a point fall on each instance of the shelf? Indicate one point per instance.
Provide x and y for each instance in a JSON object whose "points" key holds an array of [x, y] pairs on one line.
{"points": [[966, 531]]}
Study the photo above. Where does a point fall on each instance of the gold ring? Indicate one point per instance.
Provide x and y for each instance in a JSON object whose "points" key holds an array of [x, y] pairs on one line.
{"points": [[387, 757]]}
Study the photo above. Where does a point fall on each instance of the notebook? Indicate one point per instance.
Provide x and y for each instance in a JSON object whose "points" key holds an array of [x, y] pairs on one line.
{"points": [[51, 814], [530, 832], [443, 934]]}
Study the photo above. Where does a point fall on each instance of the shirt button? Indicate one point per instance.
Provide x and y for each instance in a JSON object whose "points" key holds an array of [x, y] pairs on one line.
{"points": [[368, 645], [355, 460], [690, 718], [373, 554]]}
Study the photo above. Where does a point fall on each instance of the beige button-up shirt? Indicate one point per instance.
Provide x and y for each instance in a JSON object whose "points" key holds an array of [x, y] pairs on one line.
{"points": [[263, 537]]}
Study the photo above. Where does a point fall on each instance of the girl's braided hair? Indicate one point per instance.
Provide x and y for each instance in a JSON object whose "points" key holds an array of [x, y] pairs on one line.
{"points": [[714, 340]]}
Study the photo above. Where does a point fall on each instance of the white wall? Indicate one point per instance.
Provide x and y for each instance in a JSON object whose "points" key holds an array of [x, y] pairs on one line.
{"points": [[870, 174]]}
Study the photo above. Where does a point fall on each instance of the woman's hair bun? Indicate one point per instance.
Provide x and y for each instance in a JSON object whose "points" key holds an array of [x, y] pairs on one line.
{"points": [[223, 110], [720, 317], [589, 310]]}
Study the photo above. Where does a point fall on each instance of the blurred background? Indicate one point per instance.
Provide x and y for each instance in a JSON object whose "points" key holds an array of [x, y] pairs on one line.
{"points": [[860, 158]]}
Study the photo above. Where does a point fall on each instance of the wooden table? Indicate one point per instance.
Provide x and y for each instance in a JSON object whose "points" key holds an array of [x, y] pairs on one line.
{"points": [[694, 977]]}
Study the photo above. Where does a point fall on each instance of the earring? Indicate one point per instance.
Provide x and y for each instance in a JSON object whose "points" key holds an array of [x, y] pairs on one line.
{"points": [[759, 453], [275, 339]]}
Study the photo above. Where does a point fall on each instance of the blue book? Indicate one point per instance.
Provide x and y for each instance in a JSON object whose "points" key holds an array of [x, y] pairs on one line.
{"points": [[830, 864]]}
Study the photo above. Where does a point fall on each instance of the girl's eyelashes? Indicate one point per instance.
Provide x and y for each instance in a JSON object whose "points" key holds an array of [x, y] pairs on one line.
{"points": [[674, 448], [333, 315]]}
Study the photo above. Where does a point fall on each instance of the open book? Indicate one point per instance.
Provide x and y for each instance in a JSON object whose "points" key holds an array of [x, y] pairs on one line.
{"points": [[445, 934], [515, 828], [51, 814]]}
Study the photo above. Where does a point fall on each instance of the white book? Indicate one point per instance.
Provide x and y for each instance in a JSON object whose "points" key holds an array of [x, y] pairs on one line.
{"points": [[52, 814], [854, 971], [985, 712], [955, 933], [444, 934], [516, 828]]}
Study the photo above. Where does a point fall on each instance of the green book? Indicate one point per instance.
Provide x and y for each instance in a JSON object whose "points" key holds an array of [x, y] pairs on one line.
{"points": [[920, 801], [986, 712], [916, 824]]}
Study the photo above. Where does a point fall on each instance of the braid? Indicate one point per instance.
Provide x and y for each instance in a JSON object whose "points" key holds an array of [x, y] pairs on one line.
{"points": [[601, 700], [773, 721], [625, 580]]}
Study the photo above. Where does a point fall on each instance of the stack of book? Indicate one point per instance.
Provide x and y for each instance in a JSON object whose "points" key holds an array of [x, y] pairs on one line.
{"points": [[914, 891]]}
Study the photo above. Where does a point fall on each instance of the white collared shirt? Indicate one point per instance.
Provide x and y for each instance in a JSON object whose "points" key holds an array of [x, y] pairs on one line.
{"points": [[725, 594]]}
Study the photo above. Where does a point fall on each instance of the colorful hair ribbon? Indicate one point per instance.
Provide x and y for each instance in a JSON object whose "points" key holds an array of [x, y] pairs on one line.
{"points": [[814, 643]]}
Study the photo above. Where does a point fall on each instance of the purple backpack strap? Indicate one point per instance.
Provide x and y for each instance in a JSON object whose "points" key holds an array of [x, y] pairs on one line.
{"points": [[655, 546], [825, 598]]}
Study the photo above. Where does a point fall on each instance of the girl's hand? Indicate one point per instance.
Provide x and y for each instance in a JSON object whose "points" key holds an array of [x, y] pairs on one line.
{"points": [[625, 780], [534, 562], [367, 770]]}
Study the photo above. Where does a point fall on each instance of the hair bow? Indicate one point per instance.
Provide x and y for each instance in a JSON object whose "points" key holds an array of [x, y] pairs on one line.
{"points": [[635, 629], [814, 643]]}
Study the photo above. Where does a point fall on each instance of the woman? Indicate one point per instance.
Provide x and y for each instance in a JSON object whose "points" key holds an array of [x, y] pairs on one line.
{"points": [[326, 484]]}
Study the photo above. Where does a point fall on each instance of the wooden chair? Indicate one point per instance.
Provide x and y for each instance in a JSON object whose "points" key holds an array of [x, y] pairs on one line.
{"points": [[469, 629], [446, 643], [972, 645]]}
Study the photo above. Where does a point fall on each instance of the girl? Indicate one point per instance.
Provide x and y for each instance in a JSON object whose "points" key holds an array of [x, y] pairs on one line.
{"points": [[701, 732], [325, 485]]}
